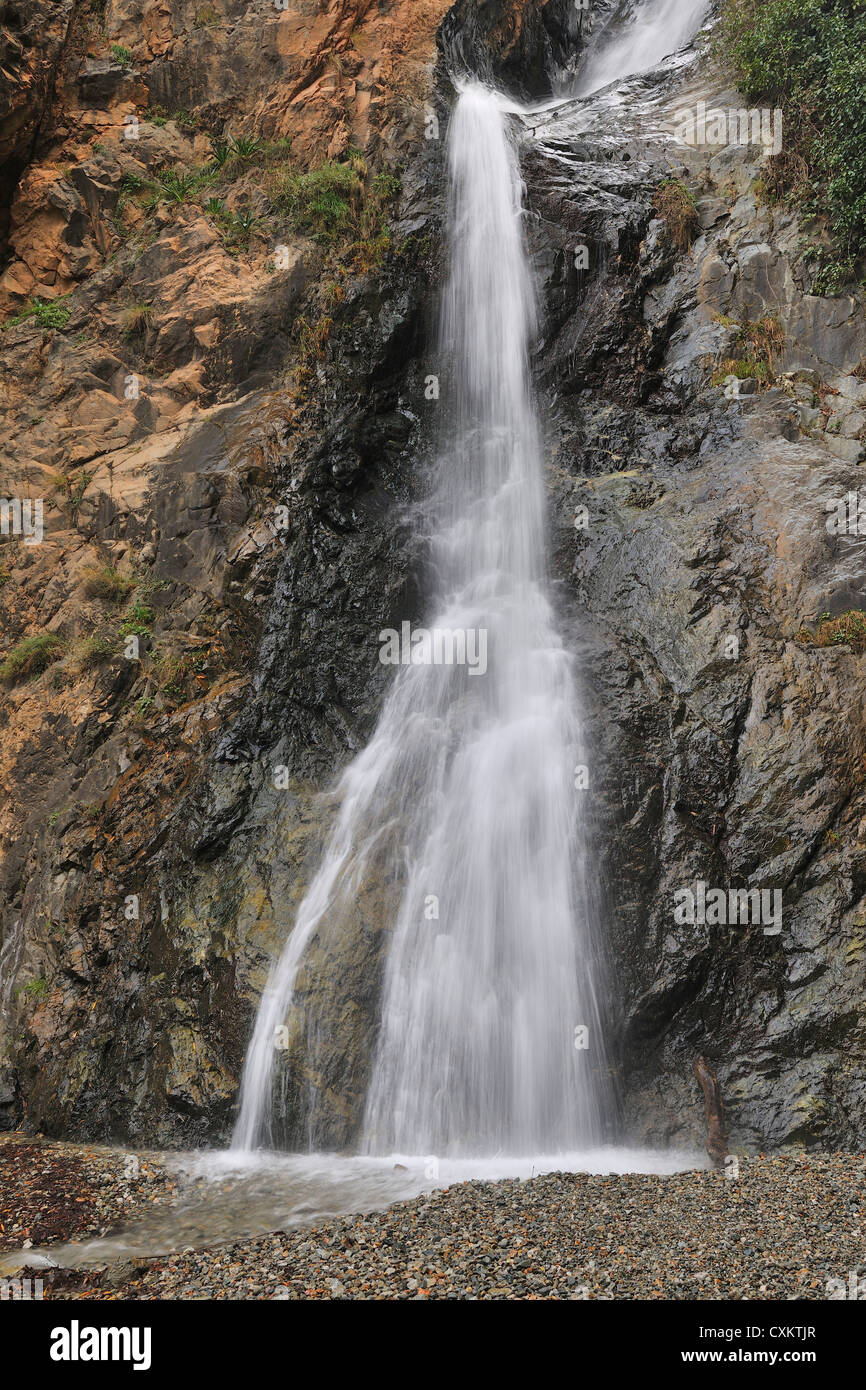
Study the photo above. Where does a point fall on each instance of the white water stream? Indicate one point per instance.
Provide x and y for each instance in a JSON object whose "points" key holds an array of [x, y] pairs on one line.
{"points": [[476, 1053], [472, 777], [466, 792], [658, 28]]}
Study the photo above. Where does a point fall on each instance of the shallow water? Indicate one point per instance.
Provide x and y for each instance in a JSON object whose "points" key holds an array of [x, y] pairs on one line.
{"points": [[229, 1196]]}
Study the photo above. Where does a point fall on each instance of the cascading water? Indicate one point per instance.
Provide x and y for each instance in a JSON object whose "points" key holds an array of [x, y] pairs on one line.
{"points": [[471, 771], [658, 28]]}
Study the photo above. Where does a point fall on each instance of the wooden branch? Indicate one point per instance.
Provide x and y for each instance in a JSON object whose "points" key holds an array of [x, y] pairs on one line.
{"points": [[717, 1134]]}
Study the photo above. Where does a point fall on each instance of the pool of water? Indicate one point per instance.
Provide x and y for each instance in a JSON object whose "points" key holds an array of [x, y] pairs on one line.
{"points": [[228, 1196]]}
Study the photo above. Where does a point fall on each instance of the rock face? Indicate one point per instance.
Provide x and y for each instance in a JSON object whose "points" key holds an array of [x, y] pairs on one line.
{"points": [[237, 419], [694, 542], [238, 478]]}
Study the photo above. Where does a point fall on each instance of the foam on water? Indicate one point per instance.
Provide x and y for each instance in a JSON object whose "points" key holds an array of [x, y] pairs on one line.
{"points": [[229, 1196]]}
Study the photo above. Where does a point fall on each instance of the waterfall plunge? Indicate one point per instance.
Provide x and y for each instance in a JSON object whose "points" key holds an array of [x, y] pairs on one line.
{"points": [[472, 776], [658, 28]]}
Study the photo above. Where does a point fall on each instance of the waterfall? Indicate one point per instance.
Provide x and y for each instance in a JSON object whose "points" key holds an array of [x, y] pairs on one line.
{"points": [[471, 772], [658, 28]]}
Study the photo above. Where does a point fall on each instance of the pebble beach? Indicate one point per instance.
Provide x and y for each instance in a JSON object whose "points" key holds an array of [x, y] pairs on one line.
{"points": [[786, 1227]]}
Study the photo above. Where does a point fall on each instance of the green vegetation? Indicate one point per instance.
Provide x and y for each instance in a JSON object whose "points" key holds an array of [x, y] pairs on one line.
{"points": [[73, 488], [135, 320], [93, 652], [336, 203], [177, 185], [31, 657], [182, 677], [809, 58], [35, 989], [50, 313], [245, 146], [120, 54], [847, 630], [220, 151], [136, 621], [323, 202], [755, 346], [675, 205], [105, 582], [147, 583]]}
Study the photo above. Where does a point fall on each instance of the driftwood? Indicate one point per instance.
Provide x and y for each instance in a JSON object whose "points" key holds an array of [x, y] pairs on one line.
{"points": [[717, 1134]]}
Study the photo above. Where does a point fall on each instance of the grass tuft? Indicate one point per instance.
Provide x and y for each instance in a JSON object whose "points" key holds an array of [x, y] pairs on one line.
{"points": [[31, 657], [675, 205]]}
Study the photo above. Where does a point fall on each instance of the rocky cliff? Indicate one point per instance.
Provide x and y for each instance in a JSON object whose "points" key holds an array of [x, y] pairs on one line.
{"points": [[222, 261]]}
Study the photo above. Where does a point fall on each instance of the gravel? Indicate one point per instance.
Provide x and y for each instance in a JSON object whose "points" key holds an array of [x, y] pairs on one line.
{"points": [[781, 1229], [51, 1191]]}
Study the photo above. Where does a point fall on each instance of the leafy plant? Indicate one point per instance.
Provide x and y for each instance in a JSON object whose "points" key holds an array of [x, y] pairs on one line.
{"points": [[120, 54], [177, 185], [220, 151], [136, 621], [245, 146], [387, 185], [51, 313], [753, 351], [809, 58], [846, 630]]}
